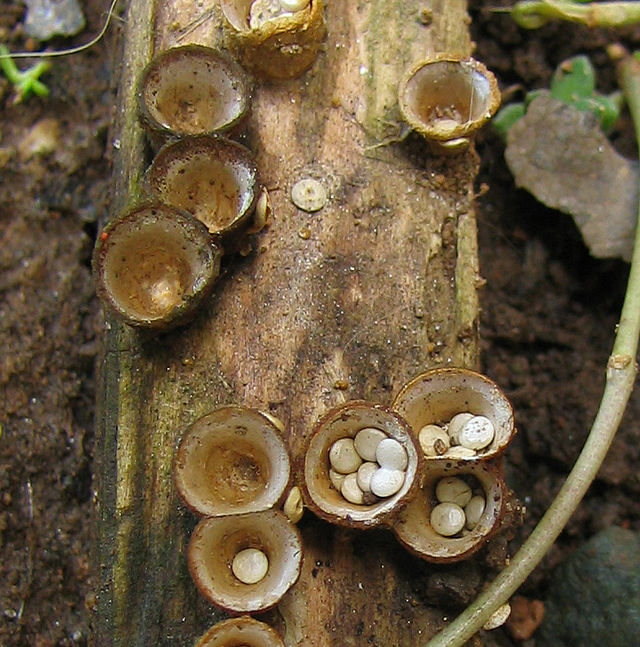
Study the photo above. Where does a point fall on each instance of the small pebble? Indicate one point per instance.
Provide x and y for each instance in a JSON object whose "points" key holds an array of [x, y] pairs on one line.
{"points": [[343, 456], [367, 441], [391, 454], [477, 433], [498, 618], [43, 138], [309, 195], [460, 452], [447, 519], [250, 565], [474, 511], [456, 424], [351, 490], [428, 438], [386, 482], [365, 472], [336, 479], [452, 489], [48, 18]]}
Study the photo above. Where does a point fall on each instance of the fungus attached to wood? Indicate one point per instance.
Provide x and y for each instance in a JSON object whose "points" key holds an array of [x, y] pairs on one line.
{"points": [[336, 489], [154, 265], [263, 539], [240, 632], [437, 398], [212, 178], [276, 44], [433, 525], [192, 90], [232, 461], [446, 99]]}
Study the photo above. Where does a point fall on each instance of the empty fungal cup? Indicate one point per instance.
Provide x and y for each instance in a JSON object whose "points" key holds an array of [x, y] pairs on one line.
{"points": [[232, 461], [444, 534], [191, 90], [279, 40], [212, 178], [436, 397], [154, 265], [240, 632], [213, 553], [446, 99], [361, 465]]}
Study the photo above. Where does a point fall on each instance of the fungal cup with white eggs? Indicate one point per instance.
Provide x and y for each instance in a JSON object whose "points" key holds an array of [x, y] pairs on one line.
{"points": [[245, 563], [262, 11], [454, 513], [274, 38], [457, 414], [361, 465]]}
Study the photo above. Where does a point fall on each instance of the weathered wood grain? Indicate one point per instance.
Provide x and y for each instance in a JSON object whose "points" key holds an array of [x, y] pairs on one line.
{"points": [[376, 287]]}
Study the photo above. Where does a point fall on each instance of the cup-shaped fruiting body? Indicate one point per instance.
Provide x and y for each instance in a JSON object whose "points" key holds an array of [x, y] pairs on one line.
{"points": [[212, 178], [232, 461], [361, 465], [154, 265], [447, 524], [191, 90], [437, 400], [243, 631], [245, 563], [279, 42], [447, 98]]}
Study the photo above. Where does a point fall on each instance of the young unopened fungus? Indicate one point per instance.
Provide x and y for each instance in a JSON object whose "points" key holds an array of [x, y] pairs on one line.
{"points": [[309, 195], [293, 506]]}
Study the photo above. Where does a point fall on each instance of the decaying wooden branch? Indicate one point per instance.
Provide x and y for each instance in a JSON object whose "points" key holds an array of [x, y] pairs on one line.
{"points": [[371, 290]]}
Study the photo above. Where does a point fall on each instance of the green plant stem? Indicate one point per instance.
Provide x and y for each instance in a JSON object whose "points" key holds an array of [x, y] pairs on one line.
{"points": [[621, 372], [24, 82], [532, 14]]}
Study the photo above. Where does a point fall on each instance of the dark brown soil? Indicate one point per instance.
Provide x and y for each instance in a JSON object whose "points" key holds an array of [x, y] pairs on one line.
{"points": [[549, 310], [548, 318], [49, 203]]}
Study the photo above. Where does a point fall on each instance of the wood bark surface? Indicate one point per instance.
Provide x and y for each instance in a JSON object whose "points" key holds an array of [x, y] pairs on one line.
{"points": [[368, 292]]}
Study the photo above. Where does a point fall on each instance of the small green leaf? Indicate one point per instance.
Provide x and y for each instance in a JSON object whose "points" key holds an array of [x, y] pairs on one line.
{"points": [[531, 96], [573, 79], [527, 14], [24, 82], [506, 117], [574, 82], [605, 108]]}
